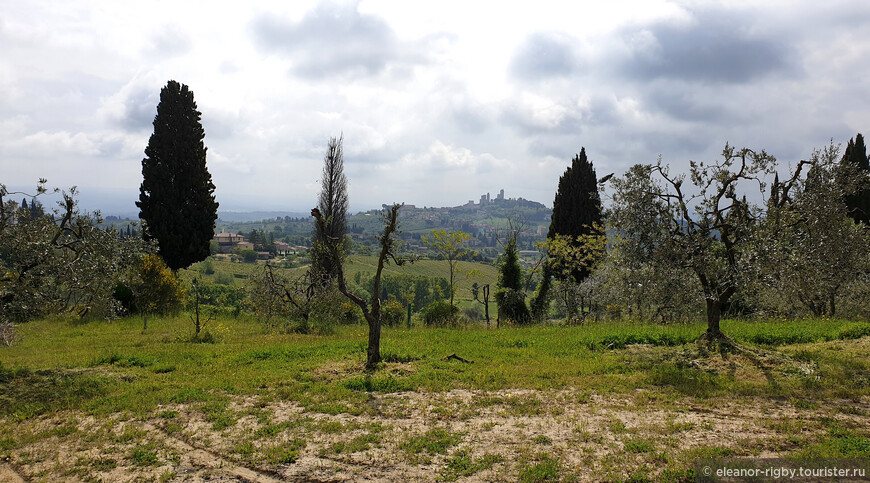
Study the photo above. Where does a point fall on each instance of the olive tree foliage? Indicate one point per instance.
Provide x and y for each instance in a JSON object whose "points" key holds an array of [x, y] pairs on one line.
{"points": [[808, 250], [704, 229], [61, 261], [637, 279], [650, 289], [305, 303], [371, 309]]}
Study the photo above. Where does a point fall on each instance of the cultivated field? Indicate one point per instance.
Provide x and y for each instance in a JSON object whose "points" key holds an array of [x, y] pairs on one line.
{"points": [[601, 402]]}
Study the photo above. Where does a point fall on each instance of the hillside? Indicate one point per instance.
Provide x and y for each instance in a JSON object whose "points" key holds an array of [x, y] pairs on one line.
{"points": [[237, 274], [486, 221]]}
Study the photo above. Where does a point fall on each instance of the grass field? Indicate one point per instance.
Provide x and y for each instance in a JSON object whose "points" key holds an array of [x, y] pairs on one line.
{"points": [[610, 402], [468, 272]]}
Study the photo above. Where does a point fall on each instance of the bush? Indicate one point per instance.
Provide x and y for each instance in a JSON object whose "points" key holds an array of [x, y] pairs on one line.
{"points": [[392, 313], [439, 314], [512, 307], [248, 255], [350, 313], [207, 266], [157, 289], [224, 299]]}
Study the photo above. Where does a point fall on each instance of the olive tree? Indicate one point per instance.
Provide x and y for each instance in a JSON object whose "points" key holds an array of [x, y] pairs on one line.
{"points": [[808, 249], [60, 261], [705, 229]]}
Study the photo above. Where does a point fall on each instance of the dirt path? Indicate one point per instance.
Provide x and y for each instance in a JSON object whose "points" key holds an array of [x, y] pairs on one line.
{"points": [[460, 435]]}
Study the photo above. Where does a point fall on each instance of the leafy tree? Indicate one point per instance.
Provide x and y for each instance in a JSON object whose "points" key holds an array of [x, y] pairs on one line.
{"points": [[333, 204], [58, 262], [808, 248], [301, 299], [707, 233], [510, 294], [858, 198], [568, 255], [448, 244], [372, 309], [176, 198]]}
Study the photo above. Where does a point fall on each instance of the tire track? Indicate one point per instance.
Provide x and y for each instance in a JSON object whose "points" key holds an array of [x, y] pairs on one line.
{"points": [[204, 458]]}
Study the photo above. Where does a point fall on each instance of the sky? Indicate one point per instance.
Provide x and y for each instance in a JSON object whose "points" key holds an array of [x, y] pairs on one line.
{"points": [[437, 102]]}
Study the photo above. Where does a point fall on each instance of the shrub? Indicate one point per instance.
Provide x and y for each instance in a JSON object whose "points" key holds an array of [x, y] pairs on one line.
{"points": [[157, 289], [512, 306], [350, 313], [247, 255], [392, 313], [439, 314]]}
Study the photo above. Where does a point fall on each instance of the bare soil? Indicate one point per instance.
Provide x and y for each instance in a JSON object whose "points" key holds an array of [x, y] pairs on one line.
{"points": [[594, 437]]}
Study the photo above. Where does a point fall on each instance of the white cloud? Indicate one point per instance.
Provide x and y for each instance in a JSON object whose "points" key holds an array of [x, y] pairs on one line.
{"points": [[438, 101]]}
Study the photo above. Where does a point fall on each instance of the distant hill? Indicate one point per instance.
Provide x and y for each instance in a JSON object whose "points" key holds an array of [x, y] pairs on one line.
{"points": [[243, 216]]}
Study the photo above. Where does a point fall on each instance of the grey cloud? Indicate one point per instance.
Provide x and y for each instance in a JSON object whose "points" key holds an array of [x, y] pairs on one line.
{"points": [[140, 107], [717, 47], [333, 40], [688, 104], [543, 56]]}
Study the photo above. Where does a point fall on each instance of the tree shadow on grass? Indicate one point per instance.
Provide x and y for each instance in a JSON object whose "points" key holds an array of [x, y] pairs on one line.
{"points": [[25, 394]]}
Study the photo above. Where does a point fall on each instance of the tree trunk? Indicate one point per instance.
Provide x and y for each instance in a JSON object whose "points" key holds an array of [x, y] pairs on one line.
{"points": [[714, 314], [374, 352], [486, 303]]}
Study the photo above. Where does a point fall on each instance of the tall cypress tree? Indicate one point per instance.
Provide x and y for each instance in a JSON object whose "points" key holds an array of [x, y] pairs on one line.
{"points": [[333, 204], [577, 205], [176, 198], [858, 203]]}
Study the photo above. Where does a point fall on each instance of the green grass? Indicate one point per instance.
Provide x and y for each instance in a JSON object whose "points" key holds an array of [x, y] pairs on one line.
{"points": [[433, 441], [144, 455], [109, 366], [462, 464], [546, 469]]}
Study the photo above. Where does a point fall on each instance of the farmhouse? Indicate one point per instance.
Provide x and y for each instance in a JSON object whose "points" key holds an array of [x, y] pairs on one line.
{"points": [[228, 241]]}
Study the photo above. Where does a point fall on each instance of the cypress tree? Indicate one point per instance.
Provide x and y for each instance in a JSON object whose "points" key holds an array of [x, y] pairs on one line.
{"points": [[333, 204], [511, 297], [176, 198], [858, 202], [577, 205]]}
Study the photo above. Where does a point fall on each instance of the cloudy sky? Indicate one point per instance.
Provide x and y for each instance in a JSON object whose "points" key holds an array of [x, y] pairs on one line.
{"points": [[438, 102]]}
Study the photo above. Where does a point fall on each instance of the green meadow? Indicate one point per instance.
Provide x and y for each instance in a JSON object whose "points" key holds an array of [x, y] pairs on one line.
{"points": [[270, 402]]}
